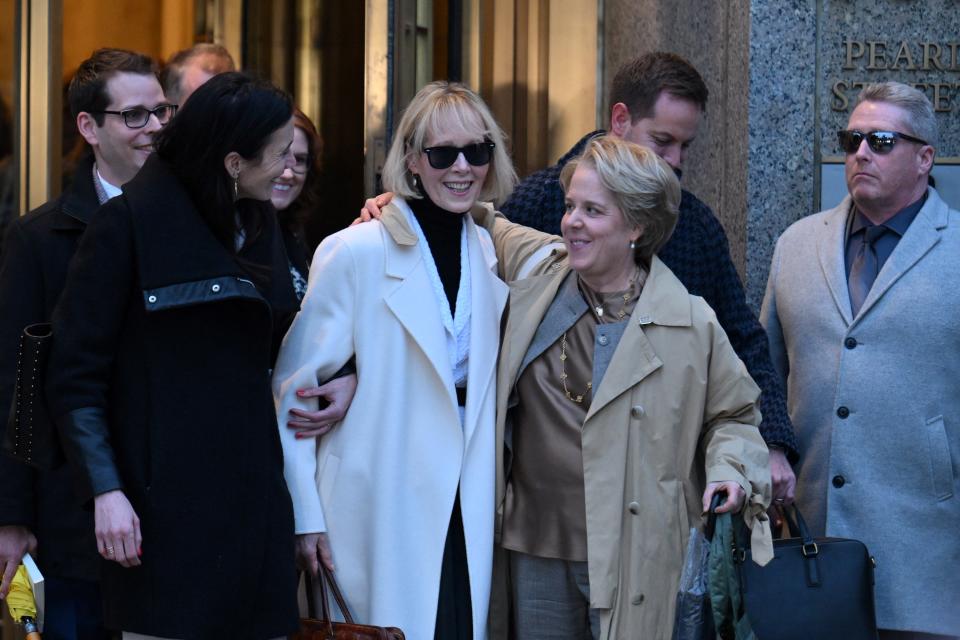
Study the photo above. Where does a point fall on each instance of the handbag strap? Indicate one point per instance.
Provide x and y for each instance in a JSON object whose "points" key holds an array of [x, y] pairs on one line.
{"points": [[327, 577], [717, 500]]}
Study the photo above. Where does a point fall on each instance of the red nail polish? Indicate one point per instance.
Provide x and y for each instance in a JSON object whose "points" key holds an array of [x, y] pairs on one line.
{"points": [[299, 392]]}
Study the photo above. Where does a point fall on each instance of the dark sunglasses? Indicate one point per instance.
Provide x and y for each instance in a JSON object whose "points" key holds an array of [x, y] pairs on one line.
{"points": [[477, 154], [878, 141], [138, 117]]}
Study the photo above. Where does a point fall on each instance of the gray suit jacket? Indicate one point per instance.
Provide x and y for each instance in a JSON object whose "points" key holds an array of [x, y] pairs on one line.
{"points": [[875, 400]]}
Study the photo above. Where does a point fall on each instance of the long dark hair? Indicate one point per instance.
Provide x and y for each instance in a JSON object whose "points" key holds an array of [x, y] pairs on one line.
{"points": [[230, 112]]}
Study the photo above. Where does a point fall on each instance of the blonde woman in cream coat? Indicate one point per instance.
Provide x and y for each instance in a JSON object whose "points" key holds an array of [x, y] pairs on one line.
{"points": [[378, 499]]}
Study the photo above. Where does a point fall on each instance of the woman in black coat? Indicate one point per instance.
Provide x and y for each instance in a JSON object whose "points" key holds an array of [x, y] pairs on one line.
{"points": [[160, 376]]}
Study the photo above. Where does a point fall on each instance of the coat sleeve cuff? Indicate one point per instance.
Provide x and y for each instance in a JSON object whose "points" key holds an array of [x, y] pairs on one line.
{"points": [[85, 435]]}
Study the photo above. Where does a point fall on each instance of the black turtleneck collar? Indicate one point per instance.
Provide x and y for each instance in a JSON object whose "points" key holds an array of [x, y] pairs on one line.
{"points": [[442, 230]]}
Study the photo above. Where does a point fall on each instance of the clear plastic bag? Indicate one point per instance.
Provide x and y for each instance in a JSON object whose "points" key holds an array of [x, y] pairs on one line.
{"points": [[694, 620]]}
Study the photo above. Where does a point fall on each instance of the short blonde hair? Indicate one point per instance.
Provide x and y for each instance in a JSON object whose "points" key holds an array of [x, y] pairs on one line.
{"points": [[441, 105], [642, 184]]}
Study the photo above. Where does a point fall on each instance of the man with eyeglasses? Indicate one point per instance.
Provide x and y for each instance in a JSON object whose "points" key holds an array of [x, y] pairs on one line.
{"points": [[119, 107], [863, 325]]}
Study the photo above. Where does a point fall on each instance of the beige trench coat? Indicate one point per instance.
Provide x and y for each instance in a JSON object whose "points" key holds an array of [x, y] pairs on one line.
{"points": [[675, 410]]}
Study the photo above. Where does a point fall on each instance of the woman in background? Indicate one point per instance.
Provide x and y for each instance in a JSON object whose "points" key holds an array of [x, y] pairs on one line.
{"points": [[296, 196]]}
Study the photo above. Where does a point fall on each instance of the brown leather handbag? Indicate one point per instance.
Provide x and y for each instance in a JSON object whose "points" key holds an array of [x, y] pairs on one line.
{"points": [[325, 628]]}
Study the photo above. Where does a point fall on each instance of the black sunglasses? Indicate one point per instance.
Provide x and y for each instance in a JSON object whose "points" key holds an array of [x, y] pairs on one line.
{"points": [[138, 117], [878, 141], [477, 154]]}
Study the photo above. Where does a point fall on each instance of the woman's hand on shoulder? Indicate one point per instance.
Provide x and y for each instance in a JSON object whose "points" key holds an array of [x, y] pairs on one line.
{"points": [[117, 529], [372, 208], [735, 496], [312, 549]]}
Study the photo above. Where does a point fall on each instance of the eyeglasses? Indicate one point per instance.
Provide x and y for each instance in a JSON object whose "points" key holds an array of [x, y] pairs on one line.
{"points": [[477, 154], [138, 117], [879, 141], [301, 164]]}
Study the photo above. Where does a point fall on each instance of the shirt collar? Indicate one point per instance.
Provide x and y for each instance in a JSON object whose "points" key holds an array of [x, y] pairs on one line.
{"points": [[110, 190], [898, 223]]}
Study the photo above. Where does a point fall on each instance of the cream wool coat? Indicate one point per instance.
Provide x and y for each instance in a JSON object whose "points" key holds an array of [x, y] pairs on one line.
{"points": [[382, 484], [676, 409]]}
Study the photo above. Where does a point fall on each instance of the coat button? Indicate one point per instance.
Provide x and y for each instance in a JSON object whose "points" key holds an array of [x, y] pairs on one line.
{"points": [[215, 288], [843, 412], [850, 343], [839, 481], [151, 299], [637, 412], [637, 599], [634, 508], [603, 340]]}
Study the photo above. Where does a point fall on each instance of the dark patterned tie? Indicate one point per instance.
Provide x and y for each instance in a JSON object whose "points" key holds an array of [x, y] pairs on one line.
{"points": [[864, 269]]}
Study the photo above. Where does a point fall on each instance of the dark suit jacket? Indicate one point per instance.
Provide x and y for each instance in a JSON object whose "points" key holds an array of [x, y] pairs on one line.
{"points": [[36, 253], [698, 254]]}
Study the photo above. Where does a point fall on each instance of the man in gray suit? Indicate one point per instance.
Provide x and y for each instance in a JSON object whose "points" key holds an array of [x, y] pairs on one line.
{"points": [[862, 318]]}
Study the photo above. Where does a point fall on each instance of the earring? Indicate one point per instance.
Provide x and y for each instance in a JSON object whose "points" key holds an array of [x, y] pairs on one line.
{"points": [[416, 183], [633, 245], [236, 187]]}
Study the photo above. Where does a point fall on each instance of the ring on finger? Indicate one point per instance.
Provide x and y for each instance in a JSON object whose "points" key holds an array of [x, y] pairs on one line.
{"points": [[779, 500], [108, 551]]}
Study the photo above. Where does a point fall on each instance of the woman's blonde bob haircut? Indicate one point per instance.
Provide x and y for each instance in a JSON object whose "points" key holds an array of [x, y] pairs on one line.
{"points": [[643, 187], [442, 107]]}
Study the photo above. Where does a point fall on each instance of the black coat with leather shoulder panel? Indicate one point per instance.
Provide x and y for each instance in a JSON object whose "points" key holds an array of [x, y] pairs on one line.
{"points": [[159, 382]]}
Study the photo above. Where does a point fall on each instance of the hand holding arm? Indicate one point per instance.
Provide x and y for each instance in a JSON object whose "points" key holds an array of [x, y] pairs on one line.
{"points": [[338, 393], [15, 541], [117, 528]]}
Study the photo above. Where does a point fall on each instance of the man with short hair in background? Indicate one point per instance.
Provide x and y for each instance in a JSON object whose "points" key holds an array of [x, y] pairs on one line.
{"points": [[188, 69], [658, 101], [862, 317], [119, 107]]}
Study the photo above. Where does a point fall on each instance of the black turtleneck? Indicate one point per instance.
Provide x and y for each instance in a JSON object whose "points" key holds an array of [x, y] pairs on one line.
{"points": [[442, 230]]}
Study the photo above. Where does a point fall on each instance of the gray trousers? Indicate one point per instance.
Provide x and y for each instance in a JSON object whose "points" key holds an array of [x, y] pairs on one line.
{"points": [[551, 599]]}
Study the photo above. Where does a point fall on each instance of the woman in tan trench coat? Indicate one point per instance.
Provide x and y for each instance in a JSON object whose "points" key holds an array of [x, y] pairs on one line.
{"points": [[622, 408]]}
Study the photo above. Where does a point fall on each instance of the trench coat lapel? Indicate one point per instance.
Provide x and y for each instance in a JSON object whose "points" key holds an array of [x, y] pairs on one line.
{"points": [[922, 235], [663, 301], [489, 295], [530, 302], [404, 262], [562, 313], [830, 250]]}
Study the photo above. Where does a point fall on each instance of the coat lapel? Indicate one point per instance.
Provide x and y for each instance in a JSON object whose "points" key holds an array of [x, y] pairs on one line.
{"points": [[530, 301], [567, 307], [663, 301], [416, 313], [830, 250], [489, 297], [922, 235]]}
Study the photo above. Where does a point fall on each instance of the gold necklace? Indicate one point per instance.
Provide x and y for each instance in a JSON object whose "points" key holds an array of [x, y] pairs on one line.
{"points": [[563, 342], [563, 373]]}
